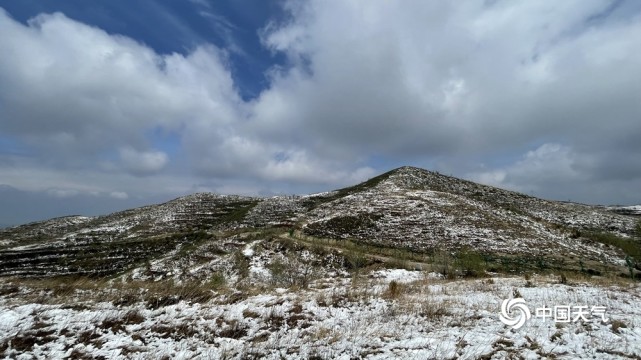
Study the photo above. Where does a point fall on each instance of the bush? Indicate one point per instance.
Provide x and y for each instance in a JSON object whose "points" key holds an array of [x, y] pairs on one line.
{"points": [[441, 261], [241, 264], [617, 325], [563, 279], [217, 280], [630, 247], [394, 289], [355, 260], [290, 272], [470, 262]]}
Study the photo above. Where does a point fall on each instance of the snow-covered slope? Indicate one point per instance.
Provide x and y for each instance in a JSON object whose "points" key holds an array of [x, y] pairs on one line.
{"points": [[408, 208], [423, 211], [626, 210]]}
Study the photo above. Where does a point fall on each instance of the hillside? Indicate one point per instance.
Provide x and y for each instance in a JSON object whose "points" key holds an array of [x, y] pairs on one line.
{"points": [[409, 264], [407, 208]]}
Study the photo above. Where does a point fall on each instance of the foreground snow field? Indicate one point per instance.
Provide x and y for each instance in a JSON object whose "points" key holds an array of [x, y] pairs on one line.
{"points": [[386, 314]]}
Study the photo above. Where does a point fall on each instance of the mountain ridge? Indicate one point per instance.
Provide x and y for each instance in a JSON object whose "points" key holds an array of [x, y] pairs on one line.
{"points": [[405, 208]]}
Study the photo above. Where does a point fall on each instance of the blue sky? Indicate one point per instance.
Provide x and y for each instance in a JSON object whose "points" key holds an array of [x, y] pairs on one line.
{"points": [[179, 26], [106, 105]]}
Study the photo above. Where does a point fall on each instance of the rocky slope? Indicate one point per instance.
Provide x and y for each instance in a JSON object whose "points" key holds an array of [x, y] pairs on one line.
{"points": [[407, 208], [423, 210]]}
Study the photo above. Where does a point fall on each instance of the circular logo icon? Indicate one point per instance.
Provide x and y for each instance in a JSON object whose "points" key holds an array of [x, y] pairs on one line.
{"points": [[518, 305]]}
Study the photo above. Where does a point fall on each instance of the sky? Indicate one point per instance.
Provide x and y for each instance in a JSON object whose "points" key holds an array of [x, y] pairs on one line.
{"points": [[107, 105]]}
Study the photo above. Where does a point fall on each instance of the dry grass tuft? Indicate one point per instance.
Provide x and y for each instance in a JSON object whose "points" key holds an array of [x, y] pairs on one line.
{"points": [[617, 325], [394, 290]]}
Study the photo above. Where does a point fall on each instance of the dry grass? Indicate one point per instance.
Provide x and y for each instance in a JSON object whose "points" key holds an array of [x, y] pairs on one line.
{"points": [[617, 325], [394, 290], [79, 290], [576, 278], [83, 291], [378, 308]]}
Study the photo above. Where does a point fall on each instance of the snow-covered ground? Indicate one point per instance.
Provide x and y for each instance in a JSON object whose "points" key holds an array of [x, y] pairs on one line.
{"points": [[633, 210], [386, 314]]}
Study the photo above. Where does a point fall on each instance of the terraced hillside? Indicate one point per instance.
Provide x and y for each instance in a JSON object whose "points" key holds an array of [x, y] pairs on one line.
{"points": [[422, 211], [409, 209]]}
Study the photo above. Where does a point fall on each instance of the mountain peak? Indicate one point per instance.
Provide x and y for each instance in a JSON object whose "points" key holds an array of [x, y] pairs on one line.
{"points": [[408, 170], [414, 178]]}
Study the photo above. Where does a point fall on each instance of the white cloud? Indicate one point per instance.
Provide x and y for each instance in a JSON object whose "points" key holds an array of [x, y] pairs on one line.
{"points": [[436, 78], [143, 163], [560, 172], [548, 164], [62, 193], [97, 91], [121, 195]]}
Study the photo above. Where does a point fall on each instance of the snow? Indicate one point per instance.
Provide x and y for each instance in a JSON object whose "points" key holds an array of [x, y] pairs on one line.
{"points": [[634, 209], [398, 275], [339, 322], [249, 249], [257, 270]]}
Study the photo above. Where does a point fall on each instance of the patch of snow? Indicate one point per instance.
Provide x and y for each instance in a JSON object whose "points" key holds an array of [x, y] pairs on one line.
{"points": [[398, 275]]}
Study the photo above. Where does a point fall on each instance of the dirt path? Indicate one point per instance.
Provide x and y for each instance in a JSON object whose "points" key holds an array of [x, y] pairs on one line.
{"points": [[410, 264]]}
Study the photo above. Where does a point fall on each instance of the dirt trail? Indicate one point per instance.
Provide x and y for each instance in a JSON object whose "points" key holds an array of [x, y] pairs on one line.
{"points": [[410, 264]]}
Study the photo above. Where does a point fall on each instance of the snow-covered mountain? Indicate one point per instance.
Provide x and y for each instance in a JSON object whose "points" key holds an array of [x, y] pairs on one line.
{"points": [[407, 208]]}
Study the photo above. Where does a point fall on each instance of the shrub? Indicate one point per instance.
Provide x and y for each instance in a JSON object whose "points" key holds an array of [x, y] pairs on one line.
{"points": [[563, 279], [241, 264], [470, 262], [630, 247], [247, 313], [290, 272], [394, 289], [217, 280], [355, 260], [617, 325], [277, 269], [432, 310], [442, 262]]}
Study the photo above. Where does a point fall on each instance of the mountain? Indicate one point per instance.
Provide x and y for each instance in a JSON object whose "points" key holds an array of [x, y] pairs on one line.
{"points": [[408, 210]]}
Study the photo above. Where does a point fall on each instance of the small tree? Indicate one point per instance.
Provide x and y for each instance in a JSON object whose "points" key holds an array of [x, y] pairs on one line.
{"points": [[470, 262], [241, 264], [290, 271], [630, 264]]}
